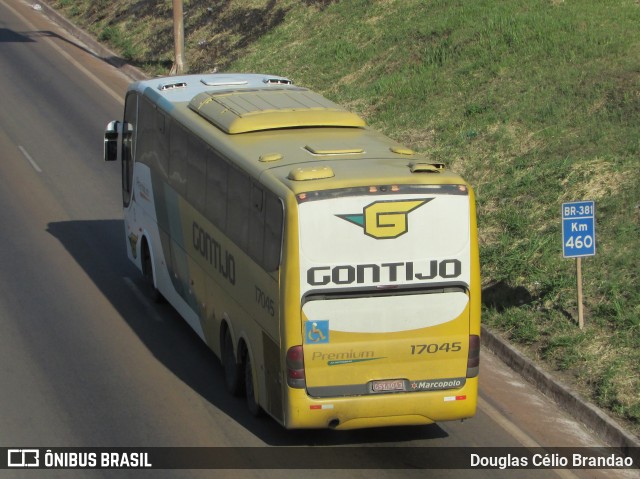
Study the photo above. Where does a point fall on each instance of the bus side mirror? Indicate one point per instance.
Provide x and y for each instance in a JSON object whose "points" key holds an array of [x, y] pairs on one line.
{"points": [[111, 136]]}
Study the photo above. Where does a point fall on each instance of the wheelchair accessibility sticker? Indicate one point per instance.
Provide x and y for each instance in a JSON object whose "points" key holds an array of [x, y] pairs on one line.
{"points": [[316, 332]]}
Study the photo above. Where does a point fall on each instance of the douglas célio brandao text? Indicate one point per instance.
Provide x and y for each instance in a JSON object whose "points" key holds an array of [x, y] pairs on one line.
{"points": [[551, 461]]}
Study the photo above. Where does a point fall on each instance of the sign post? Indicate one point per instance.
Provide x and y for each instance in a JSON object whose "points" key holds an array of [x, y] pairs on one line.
{"points": [[578, 239]]}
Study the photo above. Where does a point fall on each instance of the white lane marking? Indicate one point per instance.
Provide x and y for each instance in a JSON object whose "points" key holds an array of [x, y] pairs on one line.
{"points": [[143, 299], [74, 62], [31, 160], [520, 436]]}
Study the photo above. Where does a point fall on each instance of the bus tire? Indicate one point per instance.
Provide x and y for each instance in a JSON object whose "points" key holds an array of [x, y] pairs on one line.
{"points": [[232, 372], [147, 272], [252, 404]]}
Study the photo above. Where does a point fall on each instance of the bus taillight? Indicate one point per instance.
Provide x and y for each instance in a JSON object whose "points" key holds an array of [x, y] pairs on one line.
{"points": [[295, 368], [473, 360]]}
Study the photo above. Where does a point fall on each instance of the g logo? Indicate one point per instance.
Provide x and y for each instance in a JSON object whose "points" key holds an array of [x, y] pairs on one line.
{"points": [[385, 219]]}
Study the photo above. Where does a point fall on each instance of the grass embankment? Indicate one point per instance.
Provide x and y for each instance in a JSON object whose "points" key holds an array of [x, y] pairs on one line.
{"points": [[535, 102]]}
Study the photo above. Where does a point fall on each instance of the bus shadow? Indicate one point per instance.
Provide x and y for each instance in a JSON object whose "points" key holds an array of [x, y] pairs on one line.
{"points": [[98, 246], [32, 36], [11, 36]]}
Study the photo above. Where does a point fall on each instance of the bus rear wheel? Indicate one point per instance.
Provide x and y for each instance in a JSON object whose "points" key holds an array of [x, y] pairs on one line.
{"points": [[232, 371]]}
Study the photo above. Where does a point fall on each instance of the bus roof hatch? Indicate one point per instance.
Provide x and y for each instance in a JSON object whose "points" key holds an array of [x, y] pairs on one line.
{"points": [[242, 111]]}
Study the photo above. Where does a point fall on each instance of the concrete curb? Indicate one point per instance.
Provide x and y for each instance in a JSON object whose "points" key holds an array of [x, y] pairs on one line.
{"points": [[595, 419], [580, 409]]}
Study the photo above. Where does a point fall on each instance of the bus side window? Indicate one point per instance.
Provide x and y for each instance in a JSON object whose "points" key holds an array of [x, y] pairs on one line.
{"points": [[238, 204], [162, 141], [178, 158], [151, 142], [196, 173], [128, 145], [256, 224], [272, 232], [127, 162], [216, 190]]}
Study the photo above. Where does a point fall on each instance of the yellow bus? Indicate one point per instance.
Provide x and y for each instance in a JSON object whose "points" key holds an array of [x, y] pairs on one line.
{"points": [[333, 271]]}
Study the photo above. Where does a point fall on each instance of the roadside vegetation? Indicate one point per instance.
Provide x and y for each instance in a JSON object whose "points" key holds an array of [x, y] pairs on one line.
{"points": [[534, 102]]}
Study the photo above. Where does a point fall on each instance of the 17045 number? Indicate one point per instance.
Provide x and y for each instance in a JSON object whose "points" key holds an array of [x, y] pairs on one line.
{"points": [[435, 347]]}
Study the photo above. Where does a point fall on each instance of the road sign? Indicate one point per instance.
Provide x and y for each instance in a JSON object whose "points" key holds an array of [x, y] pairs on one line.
{"points": [[578, 229]]}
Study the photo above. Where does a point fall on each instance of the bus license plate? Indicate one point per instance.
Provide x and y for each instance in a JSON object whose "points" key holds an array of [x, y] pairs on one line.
{"points": [[389, 385]]}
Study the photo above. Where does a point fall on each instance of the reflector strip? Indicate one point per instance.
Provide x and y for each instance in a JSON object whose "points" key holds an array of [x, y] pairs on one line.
{"points": [[455, 398], [321, 406]]}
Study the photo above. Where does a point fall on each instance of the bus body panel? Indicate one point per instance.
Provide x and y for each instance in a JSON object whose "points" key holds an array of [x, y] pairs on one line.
{"points": [[140, 223], [381, 410], [221, 284], [385, 293]]}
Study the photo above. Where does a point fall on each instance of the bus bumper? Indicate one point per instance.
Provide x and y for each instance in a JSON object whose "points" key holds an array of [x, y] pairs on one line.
{"points": [[379, 410]]}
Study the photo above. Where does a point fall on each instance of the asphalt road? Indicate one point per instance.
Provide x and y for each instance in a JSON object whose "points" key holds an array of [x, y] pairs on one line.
{"points": [[87, 361]]}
